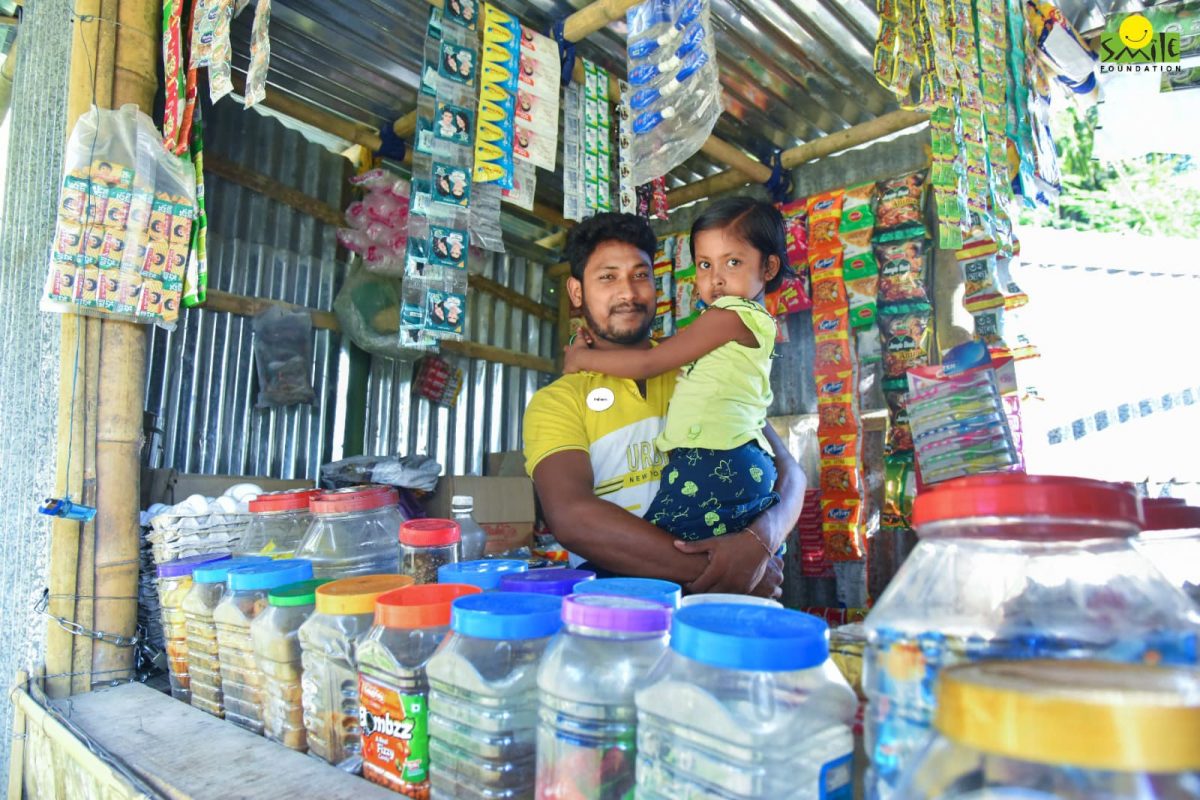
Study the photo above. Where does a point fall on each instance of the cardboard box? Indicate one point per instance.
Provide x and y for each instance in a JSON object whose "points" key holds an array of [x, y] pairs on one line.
{"points": [[508, 464], [504, 507]]}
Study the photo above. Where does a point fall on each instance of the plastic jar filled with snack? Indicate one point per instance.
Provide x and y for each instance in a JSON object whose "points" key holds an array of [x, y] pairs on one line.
{"points": [[345, 610], [426, 545], [204, 665], [275, 635], [1061, 730], [483, 697], [393, 691], [484, 573], [666, 592], [559, 582], [353, 532], [174, 582], [245, 598], [1011, 566], [1171, 539], [279, 521]]}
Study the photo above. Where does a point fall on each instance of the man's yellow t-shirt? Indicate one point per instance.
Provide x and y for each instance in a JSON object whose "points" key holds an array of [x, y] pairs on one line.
{"points": [[608, 419]]}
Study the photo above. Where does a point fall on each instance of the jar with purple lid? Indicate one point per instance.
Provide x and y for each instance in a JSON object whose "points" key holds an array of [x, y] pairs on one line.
{"points": [[174, 579], [587, 717], [560, 582]]}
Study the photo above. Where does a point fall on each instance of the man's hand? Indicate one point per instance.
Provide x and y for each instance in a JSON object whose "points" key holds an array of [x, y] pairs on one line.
{"points": [[573, 353], [737, 564], [771, 584]]}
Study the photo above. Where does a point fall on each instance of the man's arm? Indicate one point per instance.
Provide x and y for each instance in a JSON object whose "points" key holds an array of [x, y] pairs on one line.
{"points": [[777, 522], [604, 533]]}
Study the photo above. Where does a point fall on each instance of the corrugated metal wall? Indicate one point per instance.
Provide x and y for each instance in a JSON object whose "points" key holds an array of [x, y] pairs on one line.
{"points": [[29, 339], [201, 380], [487, 417]]}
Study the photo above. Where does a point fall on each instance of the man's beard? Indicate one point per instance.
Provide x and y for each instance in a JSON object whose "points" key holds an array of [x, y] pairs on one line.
{"points": [[636, 336]]}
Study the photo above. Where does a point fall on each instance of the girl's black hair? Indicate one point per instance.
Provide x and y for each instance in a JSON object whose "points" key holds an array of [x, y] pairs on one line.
{"points": [[755, 221]]}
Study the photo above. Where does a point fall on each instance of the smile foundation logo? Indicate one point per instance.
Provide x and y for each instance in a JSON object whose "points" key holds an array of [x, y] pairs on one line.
{"points": [[1136, 47]]}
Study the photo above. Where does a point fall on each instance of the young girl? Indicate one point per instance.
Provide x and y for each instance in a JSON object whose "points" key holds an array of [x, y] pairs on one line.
{"points": [[721, 471]]}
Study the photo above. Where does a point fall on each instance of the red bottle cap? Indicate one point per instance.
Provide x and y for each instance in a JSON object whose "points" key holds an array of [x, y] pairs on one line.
{"points": [[357, 498], [293, 500], [429, 532]]}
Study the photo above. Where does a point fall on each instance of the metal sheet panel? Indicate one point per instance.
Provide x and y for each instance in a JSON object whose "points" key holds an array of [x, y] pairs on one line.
{"points": [[201, 380]]}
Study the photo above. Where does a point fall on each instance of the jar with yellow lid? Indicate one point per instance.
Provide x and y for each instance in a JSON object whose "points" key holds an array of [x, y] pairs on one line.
{"points": [[1061, 730], [345, 611]]}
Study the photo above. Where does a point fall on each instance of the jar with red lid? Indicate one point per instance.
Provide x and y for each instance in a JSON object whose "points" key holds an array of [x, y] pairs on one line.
{"points": [[1012, 566], [426, 545], [353, 532], [1171, 539], [278, 523]]}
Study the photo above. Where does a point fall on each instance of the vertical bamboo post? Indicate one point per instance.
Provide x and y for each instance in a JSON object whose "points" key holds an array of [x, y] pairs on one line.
{"points": [[121, 386]]}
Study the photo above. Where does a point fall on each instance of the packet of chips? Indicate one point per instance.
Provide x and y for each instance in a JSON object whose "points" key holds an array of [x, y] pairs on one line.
{"points": [[906, 337], [899, 489], [824, 218], [902, 271], [860, 273], [900, 207], [981, 287]]}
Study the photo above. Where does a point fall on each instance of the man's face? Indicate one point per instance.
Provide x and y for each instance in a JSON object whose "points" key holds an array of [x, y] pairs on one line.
{"points": [[617, 293]]}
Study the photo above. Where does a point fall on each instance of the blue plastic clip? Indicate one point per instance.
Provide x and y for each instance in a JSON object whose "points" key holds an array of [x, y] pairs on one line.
{"points": [[780, 182], [566, 52], [391, 146]]}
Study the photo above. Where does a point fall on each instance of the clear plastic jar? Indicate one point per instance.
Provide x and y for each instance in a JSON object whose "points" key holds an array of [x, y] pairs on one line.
{"points": [[353, 532], [483, 695], [275, 635], [426, 545], [587, 729], [1009, 567], [484, 573], [1056, 730], [278, 523], [746, 704], [393, 691], [174, 582], [474, 537], [345, 610], [204, 665], [559, 582], [245, 598], [1171, 539], [729, 599], [665, 592]]}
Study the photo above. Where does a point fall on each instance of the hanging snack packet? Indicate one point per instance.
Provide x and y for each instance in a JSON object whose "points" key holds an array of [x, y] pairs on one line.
{"points": [[831, 329], [824, 217], [858, 220], [861, 276], [841, 521], [981, 287], [899, 209], [828, 289], [899, 490], [902, 271], [795, 217], [906, 337]]}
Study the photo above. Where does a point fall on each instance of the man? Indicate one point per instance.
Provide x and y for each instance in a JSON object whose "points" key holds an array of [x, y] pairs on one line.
{"points": [[589, 438]]}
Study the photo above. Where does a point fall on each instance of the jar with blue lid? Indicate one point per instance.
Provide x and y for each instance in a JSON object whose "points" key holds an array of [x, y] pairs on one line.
{"points": [[244, 600], [746, 704], [665, 592], [485, 573], [483, 698], [556, 581], [204, 666]]}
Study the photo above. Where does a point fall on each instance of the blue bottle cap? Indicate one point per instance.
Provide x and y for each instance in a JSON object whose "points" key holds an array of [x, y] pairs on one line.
{"points": [[560, 582], [664, 592], [182, 567], [484, 573], [507, 615], [218, 572], [273, 574], [750, 637]]}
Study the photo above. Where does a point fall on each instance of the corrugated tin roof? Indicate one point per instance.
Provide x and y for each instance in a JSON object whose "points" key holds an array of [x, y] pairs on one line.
{"points": [[792, 70]]}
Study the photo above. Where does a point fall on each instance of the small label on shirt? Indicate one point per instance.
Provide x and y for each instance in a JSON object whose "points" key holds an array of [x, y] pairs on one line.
{"points": [[601, 399]]}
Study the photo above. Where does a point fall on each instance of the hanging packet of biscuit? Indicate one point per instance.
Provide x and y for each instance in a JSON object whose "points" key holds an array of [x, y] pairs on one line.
{"points": [[535, 128]]}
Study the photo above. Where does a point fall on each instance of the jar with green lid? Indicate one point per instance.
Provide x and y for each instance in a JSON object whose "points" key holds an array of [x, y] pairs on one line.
{"points": [[276, 642], [1061, 730]]}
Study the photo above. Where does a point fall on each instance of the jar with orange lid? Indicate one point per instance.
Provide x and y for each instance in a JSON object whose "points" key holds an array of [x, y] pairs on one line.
{"points": [[353, 532], [345, 611], [1011, 566], [426, 545], [1061, 730], [393, 691], [279, 521]]}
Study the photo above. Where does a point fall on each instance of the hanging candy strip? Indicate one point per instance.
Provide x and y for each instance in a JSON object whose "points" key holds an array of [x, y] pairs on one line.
{"points": [[195, 280], [173, 79], [260, 54], [219, 83]]}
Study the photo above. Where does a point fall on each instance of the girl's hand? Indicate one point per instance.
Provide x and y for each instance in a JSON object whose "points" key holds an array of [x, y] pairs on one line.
{"points": [[575, 354]]}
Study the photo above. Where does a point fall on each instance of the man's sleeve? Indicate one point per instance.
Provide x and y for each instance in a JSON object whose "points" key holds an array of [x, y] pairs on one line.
{"points": [[553, 423]]}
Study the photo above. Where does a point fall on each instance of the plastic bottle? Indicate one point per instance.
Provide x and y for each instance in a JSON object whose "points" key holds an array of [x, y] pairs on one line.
{"points": [[483, 695], [665, 592], [245, 598], [204, 665], [474, 538], [745, 704], [587, 730], [485, 573], [393, 691], [559, 582]]}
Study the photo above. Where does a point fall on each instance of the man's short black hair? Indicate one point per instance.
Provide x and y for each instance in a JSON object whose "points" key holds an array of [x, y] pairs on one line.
{"points": [[756, 222], [610, 226]]}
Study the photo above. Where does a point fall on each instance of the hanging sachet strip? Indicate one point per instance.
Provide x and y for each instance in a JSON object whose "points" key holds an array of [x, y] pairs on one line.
{"points": [[260, 54], [173, 74], [195, 281]]}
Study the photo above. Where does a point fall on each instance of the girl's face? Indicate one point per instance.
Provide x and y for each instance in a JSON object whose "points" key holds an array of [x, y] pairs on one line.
{"points": [[729, 266]]}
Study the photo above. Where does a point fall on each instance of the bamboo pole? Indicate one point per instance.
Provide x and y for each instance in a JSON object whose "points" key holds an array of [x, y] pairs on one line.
{"points": [[121, 386], [818, 148]]}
